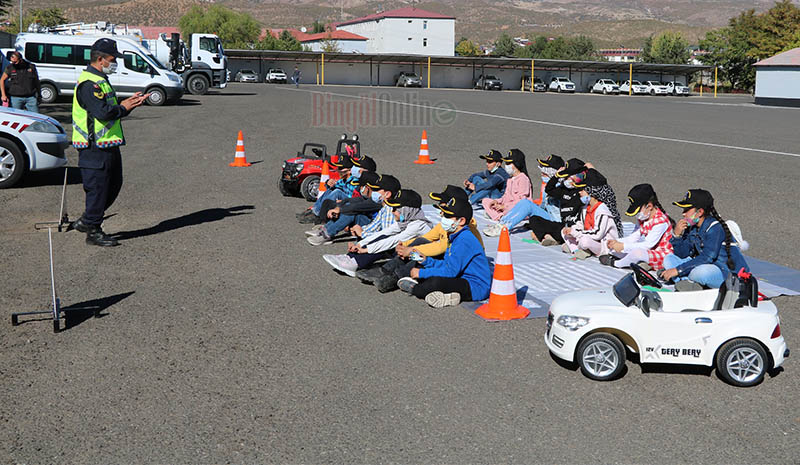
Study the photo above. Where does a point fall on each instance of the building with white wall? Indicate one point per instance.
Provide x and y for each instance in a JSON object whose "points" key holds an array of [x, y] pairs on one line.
{"points": [[623, 55], [778, 79], [345, 41], [405, 31]]}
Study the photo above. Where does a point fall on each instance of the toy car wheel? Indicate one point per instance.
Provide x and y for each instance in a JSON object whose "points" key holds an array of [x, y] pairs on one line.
{"points": [[284, 190], [601, 357], [742, 362], [13, 163], [309, 188]]}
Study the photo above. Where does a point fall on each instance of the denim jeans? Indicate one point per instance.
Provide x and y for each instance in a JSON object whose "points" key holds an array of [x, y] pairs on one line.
{"points": [[476, 197], [524, 209], [334, 227], [25, 103], [706, 275], [332, 194]]}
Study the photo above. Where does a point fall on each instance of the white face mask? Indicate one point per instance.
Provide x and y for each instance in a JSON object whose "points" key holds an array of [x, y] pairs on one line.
{"points": [[355, 171], [449, 224], [492, 170], [568, 184], [642, 216], [509, 169], [111, 69]]}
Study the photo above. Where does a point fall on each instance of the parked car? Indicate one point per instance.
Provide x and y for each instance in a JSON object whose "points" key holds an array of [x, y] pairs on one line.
{"points": [[605, 86], [538, 84], [729, 328], [276, 75], [246, 75], [676, 88], [29, 142], [656, 88], [408, 80], [488, 82], [562, 84], [638, 88]]}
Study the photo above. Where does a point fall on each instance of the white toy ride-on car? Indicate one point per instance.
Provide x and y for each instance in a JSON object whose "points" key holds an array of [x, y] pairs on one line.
{"points": [[727, 328]]}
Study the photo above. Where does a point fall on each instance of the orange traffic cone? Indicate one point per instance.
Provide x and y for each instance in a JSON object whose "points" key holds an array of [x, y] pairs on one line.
{"points": [[323, 180], [424, 156], [240, 159], [503, 299]]}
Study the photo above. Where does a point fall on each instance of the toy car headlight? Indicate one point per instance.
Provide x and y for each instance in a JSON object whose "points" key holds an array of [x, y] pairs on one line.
{"points": [[571, 322], [283, 166], [298, 167], [43, 126]]}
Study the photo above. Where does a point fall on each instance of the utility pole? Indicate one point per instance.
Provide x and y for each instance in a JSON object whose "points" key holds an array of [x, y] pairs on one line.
{"points": [[20, 15]]}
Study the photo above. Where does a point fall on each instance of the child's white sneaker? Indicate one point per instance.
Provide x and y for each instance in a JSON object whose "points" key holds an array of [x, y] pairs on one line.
{"points": [[548, 241], [493, 230], [438, 299], [343, 263]]}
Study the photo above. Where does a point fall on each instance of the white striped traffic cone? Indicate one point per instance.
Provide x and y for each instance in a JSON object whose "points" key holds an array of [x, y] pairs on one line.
{"points": [[503, 298]]}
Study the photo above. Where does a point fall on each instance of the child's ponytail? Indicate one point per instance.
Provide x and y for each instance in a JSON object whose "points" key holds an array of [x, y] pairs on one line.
{"points": [[713, 213], [657, 204]]}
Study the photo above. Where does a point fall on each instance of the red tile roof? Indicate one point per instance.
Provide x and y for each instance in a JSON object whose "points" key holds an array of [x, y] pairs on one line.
{"points": [[789, 58], [336, 35], [276, 33], [152, 32], [407, 12]]}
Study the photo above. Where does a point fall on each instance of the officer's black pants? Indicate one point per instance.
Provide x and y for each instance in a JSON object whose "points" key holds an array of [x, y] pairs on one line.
{"points": [[101, 171]]}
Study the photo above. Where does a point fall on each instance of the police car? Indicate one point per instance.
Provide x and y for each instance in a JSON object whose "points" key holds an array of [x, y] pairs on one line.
{"points": [[729, 328], [29, 142]]}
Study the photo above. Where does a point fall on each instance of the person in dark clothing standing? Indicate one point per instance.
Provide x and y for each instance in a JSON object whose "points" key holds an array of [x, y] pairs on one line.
{"points": [[20, 84], [97, 134], [296, 77]]}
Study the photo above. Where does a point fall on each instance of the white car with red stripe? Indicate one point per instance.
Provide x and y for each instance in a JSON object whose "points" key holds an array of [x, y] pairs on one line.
{"points": [[29, 142], [733, 329]]}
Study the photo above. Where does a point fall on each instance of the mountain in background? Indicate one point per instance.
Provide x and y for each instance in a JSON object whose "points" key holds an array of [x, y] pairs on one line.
{"points": [[609, 23]]}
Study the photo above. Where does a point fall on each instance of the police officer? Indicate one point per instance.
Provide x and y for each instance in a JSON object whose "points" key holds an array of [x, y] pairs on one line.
{"points": [[97, 134]]}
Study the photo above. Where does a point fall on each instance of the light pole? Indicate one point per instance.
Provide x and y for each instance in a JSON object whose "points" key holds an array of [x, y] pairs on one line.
{"points": [[20, 15]]}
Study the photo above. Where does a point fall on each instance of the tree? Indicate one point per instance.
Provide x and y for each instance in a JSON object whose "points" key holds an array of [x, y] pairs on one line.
{"points": [[728, 48], [504, 46], [4, 7], [46, 17], [235, 30], [775, 30], [667, 47], [580, 48], [467, 48], [330, 45], [317, 27], [288, 42]]}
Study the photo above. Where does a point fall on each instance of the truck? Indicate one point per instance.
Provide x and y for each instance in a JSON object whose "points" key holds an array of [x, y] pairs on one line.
{"points": [[202, 66]]}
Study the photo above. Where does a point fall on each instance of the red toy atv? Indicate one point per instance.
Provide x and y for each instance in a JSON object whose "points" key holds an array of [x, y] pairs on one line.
{"points": [[300, 175]]}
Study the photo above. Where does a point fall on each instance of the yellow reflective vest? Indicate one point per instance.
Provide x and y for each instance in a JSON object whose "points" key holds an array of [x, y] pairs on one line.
{"points": [[106, 133]]}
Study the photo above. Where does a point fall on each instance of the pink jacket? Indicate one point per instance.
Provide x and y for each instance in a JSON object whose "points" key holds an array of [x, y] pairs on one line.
{"points": [[517, 188]]}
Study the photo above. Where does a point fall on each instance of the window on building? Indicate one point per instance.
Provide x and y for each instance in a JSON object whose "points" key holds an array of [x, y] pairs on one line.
{"points": [[424, 25], [425, 42], [409, 21]]}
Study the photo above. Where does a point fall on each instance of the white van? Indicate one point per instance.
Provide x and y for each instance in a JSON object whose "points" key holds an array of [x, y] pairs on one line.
{"points": [[60, 59]]}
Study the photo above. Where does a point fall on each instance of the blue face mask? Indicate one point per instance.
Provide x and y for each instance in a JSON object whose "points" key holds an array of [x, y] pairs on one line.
{"points": [[585, 199], [492, 170], [545, 178], [401, 218], [355, 171], [449, 224], [376, 197]]}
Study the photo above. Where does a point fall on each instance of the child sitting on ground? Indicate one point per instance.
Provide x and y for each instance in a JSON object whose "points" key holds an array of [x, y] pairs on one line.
{"points": [[431, 244], [590, 234], [518, 186], [489, 183], [544, 207], [705, 250], [650, 241], [353, 212], [409, 222], [338, 189], [563, 192], [462, 274]]}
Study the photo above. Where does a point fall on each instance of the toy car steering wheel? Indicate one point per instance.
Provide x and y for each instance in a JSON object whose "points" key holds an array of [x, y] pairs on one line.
{"points": [[644, 278]]}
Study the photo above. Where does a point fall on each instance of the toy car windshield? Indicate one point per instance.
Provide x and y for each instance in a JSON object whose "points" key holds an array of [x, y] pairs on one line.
{"points": [[626, 290]]}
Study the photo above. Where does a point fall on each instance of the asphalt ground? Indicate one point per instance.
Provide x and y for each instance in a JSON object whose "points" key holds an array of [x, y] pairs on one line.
{"points": [[225, 338]]}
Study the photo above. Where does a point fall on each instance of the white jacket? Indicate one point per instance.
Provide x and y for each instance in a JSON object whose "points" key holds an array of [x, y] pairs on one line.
{"points": [[388, 238]]}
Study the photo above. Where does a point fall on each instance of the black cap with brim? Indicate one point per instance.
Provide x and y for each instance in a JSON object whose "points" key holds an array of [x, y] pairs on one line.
{"points": [[404, 198], [107, 46], [552, 161], [493, 155], [638, 196], [572, 166], [515, 157], [343, 162], [696, 198], [456, 208], [449, 192], [366, 178], [366, 163], [386, 182]]}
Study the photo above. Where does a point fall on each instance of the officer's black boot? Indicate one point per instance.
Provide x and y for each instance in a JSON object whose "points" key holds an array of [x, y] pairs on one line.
{"points": [[79, 225], [97, 237]]}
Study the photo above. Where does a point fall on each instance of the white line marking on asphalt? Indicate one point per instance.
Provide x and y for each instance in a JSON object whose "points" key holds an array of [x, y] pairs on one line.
{"points": [[550, 123]]}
